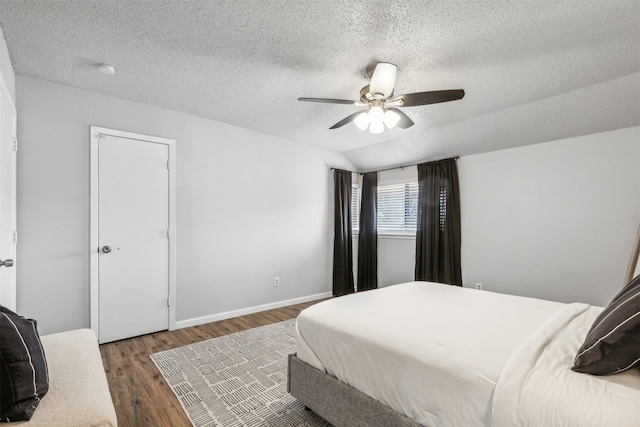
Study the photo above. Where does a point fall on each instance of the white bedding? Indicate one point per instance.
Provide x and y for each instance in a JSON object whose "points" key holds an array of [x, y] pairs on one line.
{"points": [[430, 351], [538, 388], [449, 356]]}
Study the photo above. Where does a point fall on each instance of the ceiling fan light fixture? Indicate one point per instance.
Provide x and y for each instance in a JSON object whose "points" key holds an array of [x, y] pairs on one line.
{"points": [[376, 127], [362, 120], [391, 118], [376, 115]]}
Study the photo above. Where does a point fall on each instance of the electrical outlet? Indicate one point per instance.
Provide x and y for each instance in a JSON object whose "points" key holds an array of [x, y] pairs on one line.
{"points": [[479, 286], [276, 281]]}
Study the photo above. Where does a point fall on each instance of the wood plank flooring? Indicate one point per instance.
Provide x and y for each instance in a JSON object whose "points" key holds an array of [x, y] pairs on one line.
{"points": [[140, 395]]}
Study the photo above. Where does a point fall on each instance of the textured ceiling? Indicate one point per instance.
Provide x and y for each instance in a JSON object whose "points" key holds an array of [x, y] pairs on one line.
{"points": [[533, 71]]}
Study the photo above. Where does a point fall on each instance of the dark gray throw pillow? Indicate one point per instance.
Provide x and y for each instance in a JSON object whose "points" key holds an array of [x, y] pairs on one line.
{"points": [[24, 379], [612, 344]]}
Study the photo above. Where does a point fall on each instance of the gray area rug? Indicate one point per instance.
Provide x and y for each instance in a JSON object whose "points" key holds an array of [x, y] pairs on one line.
{"points": [[237, 380]]}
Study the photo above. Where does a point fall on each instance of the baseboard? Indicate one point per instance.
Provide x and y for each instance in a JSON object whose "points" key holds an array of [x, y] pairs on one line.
{"points": [[249, 310]]}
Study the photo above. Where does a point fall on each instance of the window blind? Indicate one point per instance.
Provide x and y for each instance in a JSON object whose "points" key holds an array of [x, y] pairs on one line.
{"points": [[397, 208], [355, 208]]}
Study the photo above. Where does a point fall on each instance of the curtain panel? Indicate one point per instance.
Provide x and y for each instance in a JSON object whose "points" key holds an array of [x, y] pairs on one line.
{"points": [[368, 235], [342, 243], [438, 232]]}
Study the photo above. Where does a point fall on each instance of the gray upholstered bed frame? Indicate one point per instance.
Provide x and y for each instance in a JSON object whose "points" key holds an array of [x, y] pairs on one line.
{"points": [[337, 402]]}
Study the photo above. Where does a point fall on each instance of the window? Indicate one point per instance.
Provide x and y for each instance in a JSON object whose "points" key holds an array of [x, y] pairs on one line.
{"points": [[355, 208], [398, 208]]}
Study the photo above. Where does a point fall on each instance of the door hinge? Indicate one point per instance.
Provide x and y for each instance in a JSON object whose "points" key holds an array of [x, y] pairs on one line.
{"points": [[168, 165], [15, 236], [168, 233], [168, 302], [15, 144]]}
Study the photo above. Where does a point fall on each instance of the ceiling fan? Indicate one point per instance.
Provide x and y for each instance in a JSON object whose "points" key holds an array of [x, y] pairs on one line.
{"points": [[381, 105]]}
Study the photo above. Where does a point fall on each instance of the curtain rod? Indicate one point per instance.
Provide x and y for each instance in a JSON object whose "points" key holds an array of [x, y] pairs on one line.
{"points": [[399, 167]]}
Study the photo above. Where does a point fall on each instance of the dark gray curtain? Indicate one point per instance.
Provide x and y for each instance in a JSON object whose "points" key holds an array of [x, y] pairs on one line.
{"points": [[438, 229], [368, 236], [342, 244]]}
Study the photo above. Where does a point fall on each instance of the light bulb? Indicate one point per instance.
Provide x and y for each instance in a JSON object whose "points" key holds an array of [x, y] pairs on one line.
{"points": [[376, 127], [362, 120], [376, 115], [391, 118]]}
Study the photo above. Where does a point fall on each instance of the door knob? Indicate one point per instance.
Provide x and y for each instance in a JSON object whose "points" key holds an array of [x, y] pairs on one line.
{"points": [[6, 263], [106, 249]]}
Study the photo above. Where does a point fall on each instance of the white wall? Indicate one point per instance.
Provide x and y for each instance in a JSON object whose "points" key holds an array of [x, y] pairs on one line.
{"points": [[249, 207], [396, 260], [6, 68], [554, 220]]}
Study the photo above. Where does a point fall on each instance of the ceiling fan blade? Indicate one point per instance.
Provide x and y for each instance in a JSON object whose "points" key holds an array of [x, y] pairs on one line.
{"points": [[383, 79], [404, 122], [328, 100], [346, 120], [432, 97]]}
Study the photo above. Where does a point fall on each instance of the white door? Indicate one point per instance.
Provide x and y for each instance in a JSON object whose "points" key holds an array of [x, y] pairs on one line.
{"points": [[133, 237], [8, 190]]}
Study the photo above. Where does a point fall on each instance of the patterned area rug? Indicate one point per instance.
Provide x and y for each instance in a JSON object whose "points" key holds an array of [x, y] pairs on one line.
{"points": [[237, 380]]}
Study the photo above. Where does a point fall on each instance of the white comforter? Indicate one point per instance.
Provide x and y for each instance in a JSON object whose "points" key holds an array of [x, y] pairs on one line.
{"points": [[430, 351], [538, 388], [449, 356]]}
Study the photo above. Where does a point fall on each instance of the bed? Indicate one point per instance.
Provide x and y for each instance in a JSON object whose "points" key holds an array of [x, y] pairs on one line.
{"points": [[427, 354]]}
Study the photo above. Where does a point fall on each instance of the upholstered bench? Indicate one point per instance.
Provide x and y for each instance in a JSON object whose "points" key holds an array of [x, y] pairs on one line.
{"points": [[78, 393]]}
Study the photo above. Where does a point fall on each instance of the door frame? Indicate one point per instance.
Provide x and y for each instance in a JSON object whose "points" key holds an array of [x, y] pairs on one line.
{"points": [[4, 92], [96, 132]]}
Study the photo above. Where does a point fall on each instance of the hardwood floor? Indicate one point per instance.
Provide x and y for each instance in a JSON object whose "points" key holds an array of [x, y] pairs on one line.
{"points": [[140, 395]]}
